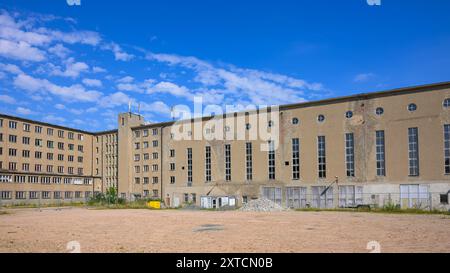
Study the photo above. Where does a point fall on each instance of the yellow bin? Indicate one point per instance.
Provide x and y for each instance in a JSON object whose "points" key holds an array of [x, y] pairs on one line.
{"points": [[154, 204]]}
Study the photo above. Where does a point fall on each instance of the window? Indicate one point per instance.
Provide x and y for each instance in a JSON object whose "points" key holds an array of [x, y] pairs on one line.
{"points": [[146, 180], [137, 180], [20, 195], [25, 167], [145, 144], [12, 152], [321, 118], [154, 155], [38, 142], [155, 167], [1, 137], [70, 158], [321, 157], [186, 198], [49, 156], [145, 133], [350, 196], [172, 167], [172, 153], [45, 195], [155, 132], [172, 180], [57, 195], [26, 153], [249, 161], [5, 178], [446, 103], [295, 158], [12, 138], [78, 194], [189, 166], [295, 121], [137, 146], [80, 137], [380, 153], [155, 180], [137, 133], [155, 143], [80, 171], [137, 157], [227, 162], [412, 107], [155, 193], [379, 111], [349, 114], [1, 122], [413, 150], [271, 157], [80, 148], [414, 196], [50, 144], [12, 166], [146, 156], [61, 157], [12, 124], [322, 197], [350, 154], [38, 168], [70, 135], [34, 195], [447, 148], [146, 168], [60, 133], [137, 169], [38, 130], [60, 169], [19, 179], [72, 147], [5, 195], [26, 140], [49, 131], [80, 159], [208, 163], [444, 199], [26, 127], [49, 168]]}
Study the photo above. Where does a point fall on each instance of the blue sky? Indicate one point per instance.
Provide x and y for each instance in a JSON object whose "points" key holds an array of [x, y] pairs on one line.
{"points": [[81, 65]]}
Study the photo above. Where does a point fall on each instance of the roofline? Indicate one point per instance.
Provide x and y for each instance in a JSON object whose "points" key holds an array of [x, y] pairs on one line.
{"points": [[361, 96], [45, 124], [114, 131]]}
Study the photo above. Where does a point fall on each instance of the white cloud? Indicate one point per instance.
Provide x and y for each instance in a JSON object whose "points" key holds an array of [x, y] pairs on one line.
{"points": [[54, 119], [156, 107], [59, 50], [24, 111], [20, 51], [70, 93], [363, 77], [114, 100], [10, 68], [126, 79], [7, 99], [170, 88], [92, 82], [119, 54], [60, 106], [97, 69], [237, 84], [72, 69]]}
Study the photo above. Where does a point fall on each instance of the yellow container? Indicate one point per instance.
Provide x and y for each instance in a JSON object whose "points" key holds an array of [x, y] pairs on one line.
{"points": [[154, 204]]}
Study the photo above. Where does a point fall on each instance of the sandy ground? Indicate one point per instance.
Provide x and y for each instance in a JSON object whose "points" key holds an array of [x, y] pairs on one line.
{"points": [[49, 230]]}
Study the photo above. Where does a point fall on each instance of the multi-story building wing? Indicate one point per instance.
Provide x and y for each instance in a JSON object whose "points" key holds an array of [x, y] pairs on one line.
{"points": [[375, 148]]}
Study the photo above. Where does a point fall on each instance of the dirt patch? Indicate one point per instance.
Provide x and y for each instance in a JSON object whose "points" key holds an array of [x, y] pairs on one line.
{"points": [[31, 230]]}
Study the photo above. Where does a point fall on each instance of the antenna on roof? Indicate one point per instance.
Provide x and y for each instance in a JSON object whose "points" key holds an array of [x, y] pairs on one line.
{"points": [[139, 108], [129, 106]]}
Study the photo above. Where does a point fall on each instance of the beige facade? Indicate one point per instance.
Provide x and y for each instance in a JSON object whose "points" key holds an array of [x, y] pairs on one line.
{"points": [[376, 148]]}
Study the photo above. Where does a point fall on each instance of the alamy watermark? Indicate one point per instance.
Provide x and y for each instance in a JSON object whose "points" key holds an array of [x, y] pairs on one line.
{"points": [[374, 2]]}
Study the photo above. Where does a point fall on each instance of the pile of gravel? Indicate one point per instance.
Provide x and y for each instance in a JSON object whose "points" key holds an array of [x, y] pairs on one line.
{"points": [[262, 205]]}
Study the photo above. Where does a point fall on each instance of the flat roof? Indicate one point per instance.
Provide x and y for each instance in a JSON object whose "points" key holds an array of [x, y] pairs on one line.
{"points": [[361, 96]]}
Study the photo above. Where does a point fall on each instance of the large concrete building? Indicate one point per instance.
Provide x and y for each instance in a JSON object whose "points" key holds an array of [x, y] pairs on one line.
{"points": [[376, 148]]}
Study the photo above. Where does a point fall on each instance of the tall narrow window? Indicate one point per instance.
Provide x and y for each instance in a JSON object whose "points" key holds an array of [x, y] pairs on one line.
{"points": [[228, 162], [350, 154], [271, 155], [208, 163], [295, 158], [321, 157], [189, 167], [380, 153], [413, 139], [249, 160], [447, 148]]}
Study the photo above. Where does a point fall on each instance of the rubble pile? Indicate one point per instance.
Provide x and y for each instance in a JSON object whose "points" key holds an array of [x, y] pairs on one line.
{"points": [[262, 205]]}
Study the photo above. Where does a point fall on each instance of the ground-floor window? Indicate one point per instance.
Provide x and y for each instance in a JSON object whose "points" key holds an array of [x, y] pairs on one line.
{"points": [[296, 197], [322, 197], [414, 196], [350, 196], [273, 194]]}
